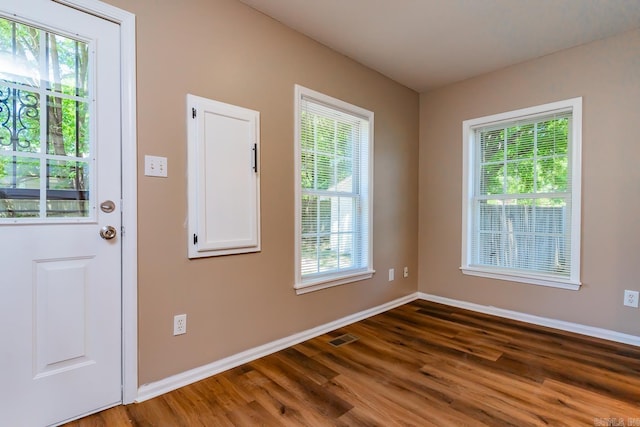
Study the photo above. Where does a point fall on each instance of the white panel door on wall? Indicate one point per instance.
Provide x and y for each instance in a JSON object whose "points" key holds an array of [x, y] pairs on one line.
{"points": [[224, 178], [60, 213]]}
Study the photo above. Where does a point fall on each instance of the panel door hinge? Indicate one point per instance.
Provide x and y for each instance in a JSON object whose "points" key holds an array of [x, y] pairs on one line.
{"points": [[195, 239], [193, 113]]}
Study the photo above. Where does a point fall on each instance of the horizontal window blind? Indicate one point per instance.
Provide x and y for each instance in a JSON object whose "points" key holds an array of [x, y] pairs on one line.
{"points": [[522, 195], [333, 177]]}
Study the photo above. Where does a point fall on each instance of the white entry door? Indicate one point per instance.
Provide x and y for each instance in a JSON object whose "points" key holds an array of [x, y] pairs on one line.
{"points": [[60, 213]]}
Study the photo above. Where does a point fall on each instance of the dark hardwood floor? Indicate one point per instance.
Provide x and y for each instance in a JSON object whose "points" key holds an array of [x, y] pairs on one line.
{"points": [[421, 364]]}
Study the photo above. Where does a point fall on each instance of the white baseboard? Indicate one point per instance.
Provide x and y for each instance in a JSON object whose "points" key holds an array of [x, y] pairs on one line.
{"points": [[151, 390], [537, 320]]}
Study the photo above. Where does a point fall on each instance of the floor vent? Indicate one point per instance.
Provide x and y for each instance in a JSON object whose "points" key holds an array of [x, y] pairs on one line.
{"points": [[343, 339]]}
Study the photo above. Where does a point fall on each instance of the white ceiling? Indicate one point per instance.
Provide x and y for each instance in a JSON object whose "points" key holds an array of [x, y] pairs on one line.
{"points": [[425, 44]]}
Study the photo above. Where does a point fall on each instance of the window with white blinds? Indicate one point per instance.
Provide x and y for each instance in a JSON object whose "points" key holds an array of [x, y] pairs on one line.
{"points": [[333, 144], [522, 195]]}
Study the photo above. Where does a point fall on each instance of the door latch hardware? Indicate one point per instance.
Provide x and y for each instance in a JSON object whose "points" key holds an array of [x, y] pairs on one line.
{"points": [[108, 232]]}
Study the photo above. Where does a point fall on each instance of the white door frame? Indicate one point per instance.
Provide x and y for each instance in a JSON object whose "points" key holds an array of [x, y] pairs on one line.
{"points": [[127, 22]]}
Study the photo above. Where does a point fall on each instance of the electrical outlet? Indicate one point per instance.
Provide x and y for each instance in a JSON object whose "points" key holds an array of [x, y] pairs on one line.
{"points": [[179, 324], [405, 272], [631, 298], [155, 166], [391, 274]]}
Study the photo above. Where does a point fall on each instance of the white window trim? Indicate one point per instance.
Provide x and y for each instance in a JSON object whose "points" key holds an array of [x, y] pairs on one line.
{"points": [[341, 278], [468, 167]]}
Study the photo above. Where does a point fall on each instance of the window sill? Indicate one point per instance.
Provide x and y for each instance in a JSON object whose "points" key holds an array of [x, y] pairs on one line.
{"points": [[539, 280], [328, 282]]}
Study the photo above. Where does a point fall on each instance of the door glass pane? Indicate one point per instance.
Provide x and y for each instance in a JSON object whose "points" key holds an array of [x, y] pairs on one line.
{"points": [[67, 127], [67, 64], [19, 187], [67, 189], [19, 119], [19, 53], [37, 66]]}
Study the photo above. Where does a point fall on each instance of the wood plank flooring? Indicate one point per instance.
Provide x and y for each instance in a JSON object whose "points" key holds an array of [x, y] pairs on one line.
{"points": [[422, 364]]}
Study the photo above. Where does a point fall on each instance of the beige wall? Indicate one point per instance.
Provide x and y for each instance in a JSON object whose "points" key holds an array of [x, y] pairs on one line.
{"points": [[224, 50], [607, 75]]}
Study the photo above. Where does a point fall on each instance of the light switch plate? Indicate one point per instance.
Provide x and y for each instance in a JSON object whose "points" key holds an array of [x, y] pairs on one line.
{"points": [[155, 166]]}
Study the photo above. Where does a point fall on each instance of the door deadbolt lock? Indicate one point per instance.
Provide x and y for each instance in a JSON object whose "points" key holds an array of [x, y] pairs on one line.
{"points": [[107, 232], [107, 206]]}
